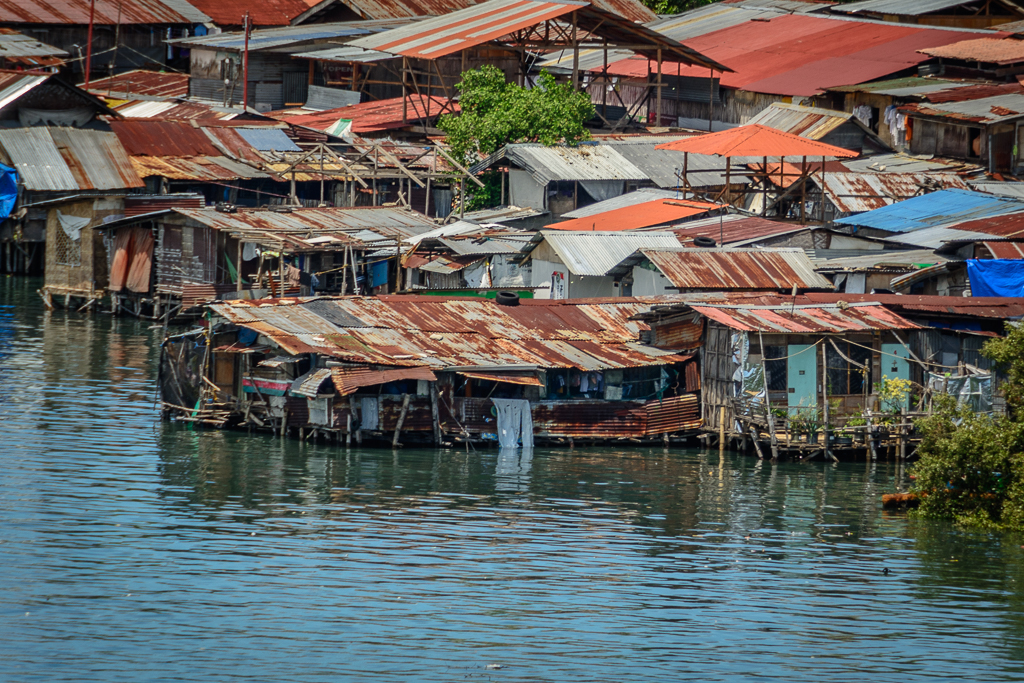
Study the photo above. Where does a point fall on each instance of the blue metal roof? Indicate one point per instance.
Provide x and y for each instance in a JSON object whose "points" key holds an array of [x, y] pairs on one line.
{"points": [[268, 139], [936, 209]]}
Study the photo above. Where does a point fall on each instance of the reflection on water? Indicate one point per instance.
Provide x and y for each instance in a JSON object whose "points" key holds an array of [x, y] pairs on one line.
{"points": [[137, 550]]}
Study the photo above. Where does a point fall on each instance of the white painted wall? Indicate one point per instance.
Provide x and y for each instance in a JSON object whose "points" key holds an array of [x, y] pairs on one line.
{"points": [[650, 283]]}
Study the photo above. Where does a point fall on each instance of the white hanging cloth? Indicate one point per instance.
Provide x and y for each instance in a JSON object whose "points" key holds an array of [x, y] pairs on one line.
{"points": [[72, 225], [514, 422]]}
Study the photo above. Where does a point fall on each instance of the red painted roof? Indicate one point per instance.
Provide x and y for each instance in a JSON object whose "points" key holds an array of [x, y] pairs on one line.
{"points": [[798, 54], [263, 13], [370, 117], [988, 50], [755, 140], [637, 216]]}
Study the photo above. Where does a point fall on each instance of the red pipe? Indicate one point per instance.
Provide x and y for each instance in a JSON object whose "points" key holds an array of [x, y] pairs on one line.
{"points": [[88, 47]]}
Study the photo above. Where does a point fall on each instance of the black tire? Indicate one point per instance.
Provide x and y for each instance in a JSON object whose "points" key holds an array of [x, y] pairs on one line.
{"points": [[704, 242], [507, 299]]}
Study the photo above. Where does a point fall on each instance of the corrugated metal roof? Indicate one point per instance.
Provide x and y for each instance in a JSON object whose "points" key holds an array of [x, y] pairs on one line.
{"points": [[733, 229], [903, 163], [649, 214], [268, 139], [661, 165], [641, 196], [13, 85], [743, 269], [984, 110], [812, 123], [906, 86], [174, 109], [503, 214], [107, 12], [284, 36], [294, 229], [344, 53], [937, 209], [1006, 249], [68, 159], [383, 9], [755, 140], [263, 13], [933, 238], [145, 137], [142, 82], [910, 8], [856, 317], [548, 164], [1006, 225], [508, 244], [834, 259], [988, 50], [370, 117], [197, 168], [859, 192], [495, 19], [803, 54], [16, 46], [597, 253], [455, 333], [1005, 189]]}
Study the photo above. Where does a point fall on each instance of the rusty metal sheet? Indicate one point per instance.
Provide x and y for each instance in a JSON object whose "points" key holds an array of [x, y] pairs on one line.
{"points": [[582, 419], [157, 138], [675, 414], [988, 50], [1006, 250], [105, 12], [525, 378], [142, 82], [710, 269], [859, 192], [348, 380], [803, 318]]}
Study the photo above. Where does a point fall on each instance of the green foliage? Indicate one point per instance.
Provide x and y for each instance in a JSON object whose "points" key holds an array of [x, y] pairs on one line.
{"points": [[971, 467], [495, 112], [487, 196], [674, 6]]}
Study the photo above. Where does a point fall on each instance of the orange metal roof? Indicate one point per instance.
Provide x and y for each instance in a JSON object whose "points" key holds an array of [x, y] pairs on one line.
{"points": [[755, 140], [143, 82], [637, 216]]}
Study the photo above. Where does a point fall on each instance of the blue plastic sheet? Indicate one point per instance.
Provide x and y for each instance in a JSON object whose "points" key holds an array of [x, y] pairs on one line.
{"points": [[996, 277], [8, 190]]}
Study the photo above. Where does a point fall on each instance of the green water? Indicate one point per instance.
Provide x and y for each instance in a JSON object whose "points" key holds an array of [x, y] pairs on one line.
{"points": [[139, 551]]}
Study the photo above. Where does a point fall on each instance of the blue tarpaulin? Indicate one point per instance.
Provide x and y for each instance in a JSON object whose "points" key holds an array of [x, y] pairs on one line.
{"points": [[8, 190], [996, 277]]}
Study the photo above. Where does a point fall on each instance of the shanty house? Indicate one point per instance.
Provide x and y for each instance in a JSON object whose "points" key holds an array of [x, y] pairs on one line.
{"points": [[186, 256], [685, 269], [427, 370], [574, 265]]}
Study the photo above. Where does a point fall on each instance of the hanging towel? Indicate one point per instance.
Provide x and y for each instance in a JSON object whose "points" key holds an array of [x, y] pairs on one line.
{"points": [[514, 422], [72, 225]]}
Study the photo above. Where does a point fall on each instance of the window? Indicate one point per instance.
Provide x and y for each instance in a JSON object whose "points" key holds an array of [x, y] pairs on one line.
{"points": [[845, 377], [68, 252], [775, 367]]}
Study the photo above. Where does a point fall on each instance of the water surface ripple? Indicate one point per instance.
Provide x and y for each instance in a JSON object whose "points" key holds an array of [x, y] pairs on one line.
{"points": [[135, 550]]}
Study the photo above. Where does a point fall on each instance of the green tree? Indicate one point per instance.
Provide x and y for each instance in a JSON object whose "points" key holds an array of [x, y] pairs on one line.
{"points": [[971, 467], [496, 112], [674, 6]]}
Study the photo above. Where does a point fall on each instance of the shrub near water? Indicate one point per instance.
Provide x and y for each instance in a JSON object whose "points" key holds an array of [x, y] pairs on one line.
{"points": [[971, 467]]}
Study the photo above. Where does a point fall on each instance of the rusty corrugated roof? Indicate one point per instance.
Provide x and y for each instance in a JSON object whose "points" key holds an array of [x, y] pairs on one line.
{"points": [[64, 159], [394, 9], [1006, 250], [988, 50], [857, 317], [497, 20], [107, 12], [455, 333], [858, 192], [744, 269], [732, 229], [142, 82], [371, 117]]}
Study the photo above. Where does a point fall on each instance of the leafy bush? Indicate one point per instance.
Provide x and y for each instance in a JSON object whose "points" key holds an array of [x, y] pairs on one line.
{"points": [[971, 467]]}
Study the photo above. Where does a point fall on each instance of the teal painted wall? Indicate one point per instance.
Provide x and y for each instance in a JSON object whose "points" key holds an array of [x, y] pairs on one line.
{"points": [[802, 375], [895, 368]]}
